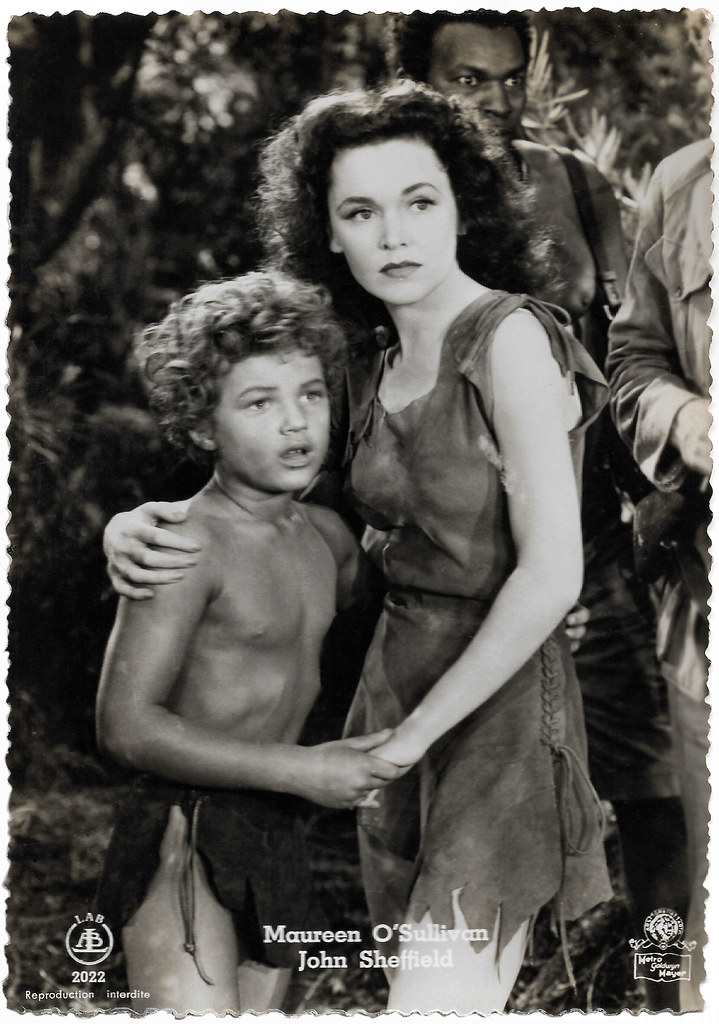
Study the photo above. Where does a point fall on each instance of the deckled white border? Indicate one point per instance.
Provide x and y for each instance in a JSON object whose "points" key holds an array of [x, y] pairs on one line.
{"points": [[711, 1011]]}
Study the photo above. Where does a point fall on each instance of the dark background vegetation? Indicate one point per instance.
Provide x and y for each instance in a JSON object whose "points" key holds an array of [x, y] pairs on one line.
{"points": [[133, 156]]}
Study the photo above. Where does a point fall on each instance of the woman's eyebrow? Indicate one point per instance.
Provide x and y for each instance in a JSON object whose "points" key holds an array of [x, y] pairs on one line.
{"points": [[420, 184], [369, 201], [354, 199], [255, 387]]}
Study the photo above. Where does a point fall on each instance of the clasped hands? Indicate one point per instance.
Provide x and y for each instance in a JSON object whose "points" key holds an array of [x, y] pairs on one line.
{"points": [[399, 749]]}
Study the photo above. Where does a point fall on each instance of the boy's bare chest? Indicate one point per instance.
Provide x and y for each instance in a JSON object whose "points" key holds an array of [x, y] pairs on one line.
{"points": [[278, 590]]}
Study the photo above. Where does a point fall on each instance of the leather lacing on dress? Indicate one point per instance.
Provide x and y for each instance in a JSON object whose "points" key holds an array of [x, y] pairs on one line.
{"points": [[187, 891], [580, 832]]}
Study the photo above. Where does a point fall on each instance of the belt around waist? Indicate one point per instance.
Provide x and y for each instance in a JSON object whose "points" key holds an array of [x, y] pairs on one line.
{"points": [[255, 801]]}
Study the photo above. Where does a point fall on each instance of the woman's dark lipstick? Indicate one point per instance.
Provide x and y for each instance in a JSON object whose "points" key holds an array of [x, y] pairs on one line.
{"points": [[399, 269]]}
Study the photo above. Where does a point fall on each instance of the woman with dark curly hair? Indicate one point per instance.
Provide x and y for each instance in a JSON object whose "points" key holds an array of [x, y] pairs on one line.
{"points": [[462, 457], [497, 244]]}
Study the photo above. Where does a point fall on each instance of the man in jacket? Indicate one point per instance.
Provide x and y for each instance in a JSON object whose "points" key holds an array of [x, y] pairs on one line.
{"points": [[659, 373]]}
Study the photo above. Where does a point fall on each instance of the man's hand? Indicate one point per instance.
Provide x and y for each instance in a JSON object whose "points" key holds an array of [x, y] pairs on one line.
{"points": [[575, 626], [140, 554], [690, 435]]}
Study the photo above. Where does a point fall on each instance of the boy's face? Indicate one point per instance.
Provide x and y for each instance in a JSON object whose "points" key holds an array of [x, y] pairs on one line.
{"points": [[271, 426]]}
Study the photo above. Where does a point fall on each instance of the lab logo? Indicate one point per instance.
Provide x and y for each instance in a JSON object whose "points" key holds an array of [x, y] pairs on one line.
{"points": [[88, 940], [663, 955]]}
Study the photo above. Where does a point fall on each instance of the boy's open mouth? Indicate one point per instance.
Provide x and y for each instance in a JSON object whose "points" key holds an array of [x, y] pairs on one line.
{"points": [[297, 457]]}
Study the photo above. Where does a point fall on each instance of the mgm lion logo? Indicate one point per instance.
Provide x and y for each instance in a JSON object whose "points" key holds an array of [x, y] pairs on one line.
{"points": [[663, 927]]}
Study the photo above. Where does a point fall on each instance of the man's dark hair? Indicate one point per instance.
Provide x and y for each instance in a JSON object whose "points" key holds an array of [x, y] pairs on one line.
{"points": [[412, 36]]}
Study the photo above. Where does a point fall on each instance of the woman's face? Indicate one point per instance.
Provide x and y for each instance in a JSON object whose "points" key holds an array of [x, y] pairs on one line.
{"points": [[394, 217]]}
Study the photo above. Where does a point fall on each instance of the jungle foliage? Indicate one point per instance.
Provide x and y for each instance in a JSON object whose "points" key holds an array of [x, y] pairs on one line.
{"points": [[133, 152], [134, 144]]}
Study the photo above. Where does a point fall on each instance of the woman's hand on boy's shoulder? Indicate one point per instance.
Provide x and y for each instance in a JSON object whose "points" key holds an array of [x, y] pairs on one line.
{"points": [[142, 554]]}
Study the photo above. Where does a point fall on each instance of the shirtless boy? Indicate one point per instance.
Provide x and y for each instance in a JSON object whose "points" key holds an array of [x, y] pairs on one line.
{"points": [[205, 689]]}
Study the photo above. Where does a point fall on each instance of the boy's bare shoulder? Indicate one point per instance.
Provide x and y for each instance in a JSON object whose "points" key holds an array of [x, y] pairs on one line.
{"points": [[200, 524], [335, 532], [326, 520], [209, 528]]}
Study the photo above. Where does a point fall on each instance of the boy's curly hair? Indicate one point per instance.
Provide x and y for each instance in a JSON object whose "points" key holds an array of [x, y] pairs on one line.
{"points": [[411, 36], [186, 355], [500, 248]]}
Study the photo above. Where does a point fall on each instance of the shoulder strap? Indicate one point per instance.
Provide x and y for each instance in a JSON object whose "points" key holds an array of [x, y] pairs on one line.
{"points": [[585, 209]]}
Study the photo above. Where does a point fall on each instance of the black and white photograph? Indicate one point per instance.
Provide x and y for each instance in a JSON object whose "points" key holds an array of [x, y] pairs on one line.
{"points": [[359, 508]]}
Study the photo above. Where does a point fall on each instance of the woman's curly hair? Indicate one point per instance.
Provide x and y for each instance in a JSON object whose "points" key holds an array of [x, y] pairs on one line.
{"points": [[499, 248], [186, 355]]}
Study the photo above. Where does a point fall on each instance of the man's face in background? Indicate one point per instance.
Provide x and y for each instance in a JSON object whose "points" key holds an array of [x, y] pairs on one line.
{"points": [[485, 66]]}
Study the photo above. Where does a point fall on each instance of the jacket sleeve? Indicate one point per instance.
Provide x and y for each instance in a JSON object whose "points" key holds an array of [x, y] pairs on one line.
{"points": [[645, 377]]}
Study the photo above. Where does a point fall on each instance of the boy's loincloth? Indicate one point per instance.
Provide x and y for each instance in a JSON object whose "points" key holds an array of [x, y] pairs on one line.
{"points": [[252, 847]]}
